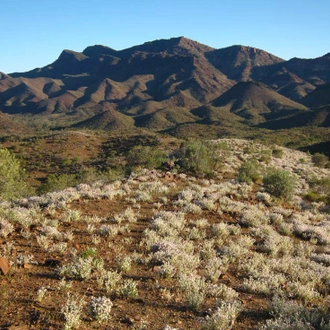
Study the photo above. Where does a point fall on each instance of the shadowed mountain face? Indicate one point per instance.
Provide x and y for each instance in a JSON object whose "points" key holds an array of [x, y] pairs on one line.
{"points": [[319, 97], [238, 62], [256, 103], [158, 83], [319, 117], [295, 78]]}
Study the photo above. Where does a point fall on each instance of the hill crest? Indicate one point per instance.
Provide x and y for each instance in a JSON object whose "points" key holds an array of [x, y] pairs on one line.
{"points": [[176, 73]]}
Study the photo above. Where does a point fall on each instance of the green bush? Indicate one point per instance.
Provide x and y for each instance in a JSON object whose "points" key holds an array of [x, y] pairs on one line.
{"points": [[320, 191], [313, 196], [320, 160], [200, 157], [145, 156], [265, 156], [277, 153], [13, 182], [88, 175], [321, 186], [279, 183], [59, 182], [249, 172]]}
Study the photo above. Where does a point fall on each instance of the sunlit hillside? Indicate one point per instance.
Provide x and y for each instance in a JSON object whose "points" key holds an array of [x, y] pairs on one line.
{"points": [[234, 235]]}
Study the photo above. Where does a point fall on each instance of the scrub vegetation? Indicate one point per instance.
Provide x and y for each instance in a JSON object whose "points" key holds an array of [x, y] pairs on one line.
{"points": [[165, 234]]}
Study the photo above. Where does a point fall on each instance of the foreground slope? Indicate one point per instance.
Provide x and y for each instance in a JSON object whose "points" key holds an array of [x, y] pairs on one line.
{"points": [[170, 251]]}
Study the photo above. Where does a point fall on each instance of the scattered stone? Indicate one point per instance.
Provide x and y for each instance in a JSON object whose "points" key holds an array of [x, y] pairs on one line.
{"points": [[127, 320], [156, 269], [4, 266], [53, 263], [27, 266]]}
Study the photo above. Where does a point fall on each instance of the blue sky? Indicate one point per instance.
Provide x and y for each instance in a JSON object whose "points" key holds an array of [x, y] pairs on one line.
{"points": [[34, 32]]}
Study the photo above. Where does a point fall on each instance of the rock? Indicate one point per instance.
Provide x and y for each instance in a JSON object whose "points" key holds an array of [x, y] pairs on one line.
{"points": [[52, 263], [4, 265], [127, 320], [27, 266], [156, 269]]}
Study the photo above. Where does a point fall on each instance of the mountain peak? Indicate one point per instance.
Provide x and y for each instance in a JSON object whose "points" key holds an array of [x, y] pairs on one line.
{"points": [[177, 46], [98, 50], [238, 61], [70, 54], [3, 76]]}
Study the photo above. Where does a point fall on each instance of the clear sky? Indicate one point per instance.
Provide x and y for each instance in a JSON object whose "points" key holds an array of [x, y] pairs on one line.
{"points": [[34, 32]]}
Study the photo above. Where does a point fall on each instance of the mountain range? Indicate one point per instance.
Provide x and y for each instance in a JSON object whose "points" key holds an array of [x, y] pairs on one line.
{"points": [[165, 83]]}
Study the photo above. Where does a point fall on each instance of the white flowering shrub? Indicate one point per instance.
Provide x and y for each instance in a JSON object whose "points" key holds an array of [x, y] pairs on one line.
{"points": [[214, 268], [194, 289], [100, 308], [167, 270], [41, 293], [191, 208], [222, 292], [109, 280], [223, 318], [253, 217], [165, 219], [64, 285], [22, 259], [201, 223], [196, 234], [207, 250], [72, 215], [167, 327], [124, 263], [58, 247], [264, 285], [6, 228], [127, 215], [291, 315], [220, 230], [72, 311], [80, 268], [107, 230], [235, 250], [128, 289]]}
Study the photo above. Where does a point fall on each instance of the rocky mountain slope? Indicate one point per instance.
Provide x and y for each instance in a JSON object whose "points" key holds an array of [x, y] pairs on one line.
{"points": [[162, 79]]}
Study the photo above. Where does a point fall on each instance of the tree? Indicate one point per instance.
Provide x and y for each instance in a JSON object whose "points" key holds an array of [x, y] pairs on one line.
{"points": [[12, 177]]}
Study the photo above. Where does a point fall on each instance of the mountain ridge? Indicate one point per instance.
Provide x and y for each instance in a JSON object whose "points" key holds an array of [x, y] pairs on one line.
{"points": [[178, 74]]}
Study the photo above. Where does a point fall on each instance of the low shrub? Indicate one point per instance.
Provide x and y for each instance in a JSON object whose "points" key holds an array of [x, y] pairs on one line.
{"points": [[277, 153], [58, 182], [145, 156], [200, 158], [265, 156], [249, 172], [279, 183], [320, 160]]}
